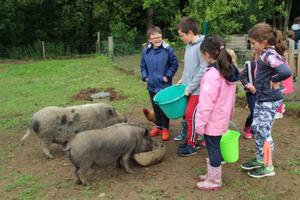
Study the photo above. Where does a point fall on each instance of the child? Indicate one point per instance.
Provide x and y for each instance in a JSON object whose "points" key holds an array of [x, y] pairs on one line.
{"points": [[158, 66], [215, 107], [247, 79], [194, 68], [271, 70], [296, 29]]}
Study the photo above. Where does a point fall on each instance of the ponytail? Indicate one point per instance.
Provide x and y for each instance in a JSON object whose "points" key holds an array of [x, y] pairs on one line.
{"points": [[280, 44], [224, 63]]}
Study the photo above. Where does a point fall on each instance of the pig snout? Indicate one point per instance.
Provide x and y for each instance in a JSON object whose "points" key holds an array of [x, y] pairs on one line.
{"points": [[146, 143]]}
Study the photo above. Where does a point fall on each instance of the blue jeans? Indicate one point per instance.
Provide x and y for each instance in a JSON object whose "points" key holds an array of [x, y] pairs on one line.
{"points": [[213, 149]]}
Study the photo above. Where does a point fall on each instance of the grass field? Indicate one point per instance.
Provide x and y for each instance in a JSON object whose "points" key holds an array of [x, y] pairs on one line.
{"points": [[27, 86]]}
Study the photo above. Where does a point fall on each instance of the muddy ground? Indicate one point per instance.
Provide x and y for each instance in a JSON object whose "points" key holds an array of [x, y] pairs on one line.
{"points": [[173, 178]]}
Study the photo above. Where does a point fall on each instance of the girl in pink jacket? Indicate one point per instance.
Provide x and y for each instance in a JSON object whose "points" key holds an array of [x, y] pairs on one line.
{"points": [[215, 106]]}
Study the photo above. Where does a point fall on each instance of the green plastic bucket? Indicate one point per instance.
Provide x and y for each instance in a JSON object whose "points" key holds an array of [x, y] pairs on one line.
{"points": [[172, 101], [230, 146]]}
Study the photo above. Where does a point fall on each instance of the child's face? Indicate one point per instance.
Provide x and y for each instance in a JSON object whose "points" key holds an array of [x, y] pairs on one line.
{"points": [[258, 46], [155, 39], [207, 58], [186, 37]]}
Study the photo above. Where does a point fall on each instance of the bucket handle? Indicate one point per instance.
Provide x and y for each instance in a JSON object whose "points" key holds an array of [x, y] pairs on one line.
{"points": [[234, 126]]}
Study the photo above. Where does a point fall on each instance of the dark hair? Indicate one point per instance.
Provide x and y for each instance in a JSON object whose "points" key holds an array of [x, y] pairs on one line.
{"points": [[264, 31], [290, 34], [153, 30], [214, 45], [297, 20], [187, 24]]}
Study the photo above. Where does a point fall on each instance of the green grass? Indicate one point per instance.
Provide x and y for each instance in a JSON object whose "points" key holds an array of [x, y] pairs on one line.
{"points": [[28, 87]]}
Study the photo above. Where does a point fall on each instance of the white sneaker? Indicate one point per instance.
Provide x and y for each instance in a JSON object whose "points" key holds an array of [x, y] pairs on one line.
{"points": [[278, 115], [283, 108]]}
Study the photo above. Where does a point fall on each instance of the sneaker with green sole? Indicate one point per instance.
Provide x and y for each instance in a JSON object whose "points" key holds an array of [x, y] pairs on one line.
{"points": [[252, 164], [262, 172]]}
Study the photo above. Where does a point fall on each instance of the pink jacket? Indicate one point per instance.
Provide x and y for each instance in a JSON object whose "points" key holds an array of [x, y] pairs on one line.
{"points": [[216, 103]]}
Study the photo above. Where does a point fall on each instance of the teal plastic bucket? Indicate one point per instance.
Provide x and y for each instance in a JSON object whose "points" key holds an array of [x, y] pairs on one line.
{"points": [[172, 101], [230, 146]]}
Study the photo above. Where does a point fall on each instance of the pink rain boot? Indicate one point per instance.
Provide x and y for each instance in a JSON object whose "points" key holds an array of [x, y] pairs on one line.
{"points": [[247, 133], [213, 180], [204, 176]]}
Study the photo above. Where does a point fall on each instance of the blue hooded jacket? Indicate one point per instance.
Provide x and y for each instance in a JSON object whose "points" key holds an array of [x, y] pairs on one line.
{"points": [[157, 63]]}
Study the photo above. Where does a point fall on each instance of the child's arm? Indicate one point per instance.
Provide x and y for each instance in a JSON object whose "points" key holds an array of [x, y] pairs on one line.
{"points": [[244, 74], [172, 65], [281, 68], [143, 68], [194, 85]]}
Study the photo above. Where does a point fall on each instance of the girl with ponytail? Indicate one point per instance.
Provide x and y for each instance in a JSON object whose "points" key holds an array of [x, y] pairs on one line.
{"points": [[271, 70], [215, 106]]}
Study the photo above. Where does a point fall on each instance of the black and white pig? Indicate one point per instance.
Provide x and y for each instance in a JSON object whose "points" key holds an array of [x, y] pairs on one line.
{"points": [[58, 124], [102, 147]]}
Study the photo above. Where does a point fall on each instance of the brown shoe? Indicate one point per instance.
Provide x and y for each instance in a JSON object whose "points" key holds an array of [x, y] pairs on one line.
{"points": [[155, 131], [165, 135]]}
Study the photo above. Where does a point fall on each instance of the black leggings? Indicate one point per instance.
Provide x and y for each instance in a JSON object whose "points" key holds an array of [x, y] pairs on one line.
{"points": [[162, 121], [213, 149]]}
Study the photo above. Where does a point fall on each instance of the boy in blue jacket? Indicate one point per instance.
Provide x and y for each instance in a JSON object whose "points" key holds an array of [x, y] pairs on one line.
{"points": [[158, 66]]}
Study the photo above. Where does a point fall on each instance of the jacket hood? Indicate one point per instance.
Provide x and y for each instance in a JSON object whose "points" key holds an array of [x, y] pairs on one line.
{"points": [[163, 44], [234, 76], [295, 27]]}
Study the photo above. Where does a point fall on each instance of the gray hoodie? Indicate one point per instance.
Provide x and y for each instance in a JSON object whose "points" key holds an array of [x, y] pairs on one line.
{"points": [[194, 67]]}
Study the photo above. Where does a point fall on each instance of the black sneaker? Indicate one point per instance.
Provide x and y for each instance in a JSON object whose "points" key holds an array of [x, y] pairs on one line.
{"points": [[262, 172], [189, 150], [252, 164], [183, 146]]}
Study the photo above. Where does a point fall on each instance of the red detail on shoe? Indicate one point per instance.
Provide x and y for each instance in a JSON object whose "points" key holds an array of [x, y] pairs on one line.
{"points": [[247, 133], [155, 131], [203, 143], [165, 134]]}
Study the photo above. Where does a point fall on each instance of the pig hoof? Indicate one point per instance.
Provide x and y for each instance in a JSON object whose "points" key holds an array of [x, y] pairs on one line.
{"points": [[129, 171], [85, 183], [49, 156]]}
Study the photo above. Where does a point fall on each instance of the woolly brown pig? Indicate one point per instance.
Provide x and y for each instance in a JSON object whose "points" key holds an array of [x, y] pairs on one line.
{"points": [[103, 147], [57, 124]]}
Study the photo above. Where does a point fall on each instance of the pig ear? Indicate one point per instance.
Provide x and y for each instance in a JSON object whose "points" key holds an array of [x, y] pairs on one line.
{"points": [[146, 133]]}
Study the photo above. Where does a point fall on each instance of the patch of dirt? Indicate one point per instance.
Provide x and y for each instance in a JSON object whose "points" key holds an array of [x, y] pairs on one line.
{"points": [[85, 94], [2, 69], [174, 178]]}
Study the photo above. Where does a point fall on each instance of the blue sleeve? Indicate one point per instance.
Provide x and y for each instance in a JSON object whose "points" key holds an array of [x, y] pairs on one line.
{"points": [[283, 72], [143, 67], [172, 64]]}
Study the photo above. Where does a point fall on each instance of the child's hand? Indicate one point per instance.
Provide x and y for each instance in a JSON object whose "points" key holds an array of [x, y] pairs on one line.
{"points": [[275, 85], [251, 88], [187, 93], [166, 79], [179, 82]]}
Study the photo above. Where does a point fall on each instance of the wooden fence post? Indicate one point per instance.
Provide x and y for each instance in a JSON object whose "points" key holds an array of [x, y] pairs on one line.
{"points": [[110, 47], [98, 43], [43, 48]]}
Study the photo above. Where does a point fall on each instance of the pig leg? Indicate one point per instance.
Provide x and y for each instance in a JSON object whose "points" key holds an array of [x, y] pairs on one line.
{"points": [[45, 147], [77, 179], [81, 172], [125, 160], [119, 163]]}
